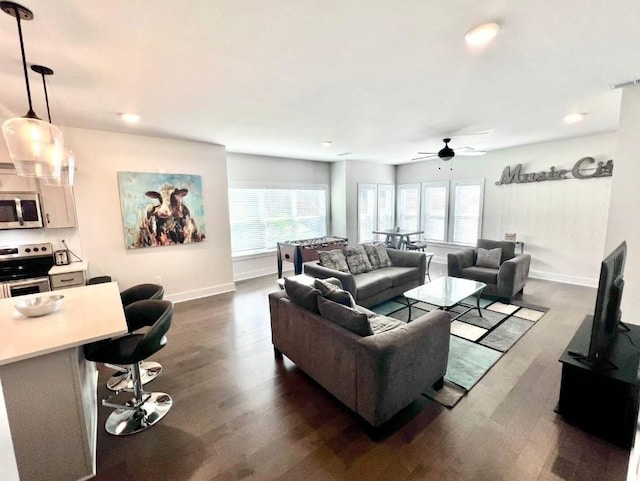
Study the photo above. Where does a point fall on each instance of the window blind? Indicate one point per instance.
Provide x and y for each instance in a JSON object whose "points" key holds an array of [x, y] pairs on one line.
{"points": [[466, 217], [434, 219], [408, 206], [261, 217], [367, 212], [386, 207]]}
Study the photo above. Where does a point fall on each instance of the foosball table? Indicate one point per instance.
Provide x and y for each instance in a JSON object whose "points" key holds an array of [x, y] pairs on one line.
{"points": [[306, 250]]}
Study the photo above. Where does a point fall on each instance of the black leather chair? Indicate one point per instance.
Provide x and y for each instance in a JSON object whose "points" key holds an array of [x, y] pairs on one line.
{"points": [[149, 370], [145, 408]]}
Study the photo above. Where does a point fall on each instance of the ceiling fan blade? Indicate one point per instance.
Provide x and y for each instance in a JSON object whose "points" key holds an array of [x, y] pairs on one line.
{"points": [[425, 157], [428, 153], [471, 153]]}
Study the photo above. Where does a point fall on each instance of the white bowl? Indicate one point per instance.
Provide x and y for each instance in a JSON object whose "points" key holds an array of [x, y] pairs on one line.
{"points": [[39, 306]]}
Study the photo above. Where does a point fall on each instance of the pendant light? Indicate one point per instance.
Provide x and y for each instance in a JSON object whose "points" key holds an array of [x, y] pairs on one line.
{"points": [[35, 146], [67, 166]]}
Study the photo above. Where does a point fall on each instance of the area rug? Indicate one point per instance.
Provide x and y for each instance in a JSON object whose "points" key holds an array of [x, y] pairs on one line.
{"points": [[476, 343]]}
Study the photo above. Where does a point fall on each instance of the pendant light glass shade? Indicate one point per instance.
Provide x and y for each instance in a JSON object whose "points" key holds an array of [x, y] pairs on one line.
{"points": [[35, 146], [67, 170]]}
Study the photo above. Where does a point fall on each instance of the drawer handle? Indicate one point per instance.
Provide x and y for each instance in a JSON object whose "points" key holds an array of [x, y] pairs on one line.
{"points": [[67, 280]]}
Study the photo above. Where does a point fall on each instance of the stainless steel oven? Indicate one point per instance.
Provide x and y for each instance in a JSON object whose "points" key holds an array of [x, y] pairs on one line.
{"points": [[29, 286], [20, 210], [25, 269]]}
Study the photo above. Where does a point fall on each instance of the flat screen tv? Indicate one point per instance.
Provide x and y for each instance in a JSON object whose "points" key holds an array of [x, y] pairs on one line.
{"points": [[607, 314]]}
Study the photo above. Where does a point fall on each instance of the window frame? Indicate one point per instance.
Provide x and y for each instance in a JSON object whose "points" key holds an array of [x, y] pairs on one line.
{"points": [[453, 207], [409, 186]]}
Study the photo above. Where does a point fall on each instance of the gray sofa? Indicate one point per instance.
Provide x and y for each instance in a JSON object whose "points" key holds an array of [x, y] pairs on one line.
{"points": [[375, 376], [379, 285], [503, 282]]}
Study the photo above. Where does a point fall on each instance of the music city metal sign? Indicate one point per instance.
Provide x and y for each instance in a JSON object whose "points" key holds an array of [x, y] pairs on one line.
{"points": [[582, 169]]}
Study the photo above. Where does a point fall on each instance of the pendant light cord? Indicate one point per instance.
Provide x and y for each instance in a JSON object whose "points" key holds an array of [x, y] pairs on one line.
{"points": [[31, 113], [46, 97]]}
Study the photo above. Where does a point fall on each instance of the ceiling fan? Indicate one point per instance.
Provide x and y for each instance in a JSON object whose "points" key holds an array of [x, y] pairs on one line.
{"points": [[447, 153]]}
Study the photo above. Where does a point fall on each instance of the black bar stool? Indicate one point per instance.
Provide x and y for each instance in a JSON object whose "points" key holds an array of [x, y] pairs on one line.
{"points": [[149, 370], [145, 408]]}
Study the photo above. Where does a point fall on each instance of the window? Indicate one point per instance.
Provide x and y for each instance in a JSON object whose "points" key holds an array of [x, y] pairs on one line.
{"points": [[386, 207], [467, 212], [434, 211], [376, 208], [367, 211], [261, 217], [452, 211], [408, 206]]}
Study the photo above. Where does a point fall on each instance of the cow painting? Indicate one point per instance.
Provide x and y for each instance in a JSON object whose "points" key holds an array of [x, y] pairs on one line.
{"points": [[163, 217]]}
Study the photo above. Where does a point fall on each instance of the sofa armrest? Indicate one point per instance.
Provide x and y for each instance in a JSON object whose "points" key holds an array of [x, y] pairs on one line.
{"points": [[456, 261], [321, 272], [396, 366], [401, 258], [513, 275]]}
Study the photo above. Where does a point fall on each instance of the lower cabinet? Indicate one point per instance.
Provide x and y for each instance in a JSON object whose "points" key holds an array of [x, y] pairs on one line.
{"points": [[71, 275]]}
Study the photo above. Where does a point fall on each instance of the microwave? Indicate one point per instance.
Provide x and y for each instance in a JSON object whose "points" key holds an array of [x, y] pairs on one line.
{"points": [[20, 210]]}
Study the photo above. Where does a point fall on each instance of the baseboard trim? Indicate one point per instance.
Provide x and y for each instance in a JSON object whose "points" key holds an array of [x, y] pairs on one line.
{"points": [[564, 278], [198, 293], [267, 271]]}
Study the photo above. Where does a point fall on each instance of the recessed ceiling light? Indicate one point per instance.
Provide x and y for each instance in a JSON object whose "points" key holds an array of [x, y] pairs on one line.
{"points": [[326, 143], [573, 118], [482, 34], [130, 118]]}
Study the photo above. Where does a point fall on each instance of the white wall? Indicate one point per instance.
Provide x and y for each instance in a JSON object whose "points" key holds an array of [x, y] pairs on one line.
{"points": [[562, 223], [245, 169], [625, 201], [186, 271], [339, 199]]}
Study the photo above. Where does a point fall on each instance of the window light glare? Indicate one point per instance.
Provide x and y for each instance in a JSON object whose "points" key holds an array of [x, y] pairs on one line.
{"points": [[130, 118], [573, 118], [482, 34]]}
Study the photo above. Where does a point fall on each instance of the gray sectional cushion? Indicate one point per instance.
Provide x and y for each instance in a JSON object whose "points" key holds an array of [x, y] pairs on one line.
{"points": [[371, 283], [481, 274], [489, 258], [333, 259], [344, 316], [400, 275], [334, 293], [385, 261], [372, 254], [301, 294], [383, 324], [357, 259]]}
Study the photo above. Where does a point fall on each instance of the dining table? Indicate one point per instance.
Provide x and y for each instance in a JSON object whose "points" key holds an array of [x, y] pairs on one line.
{"points": [[398, 238]]}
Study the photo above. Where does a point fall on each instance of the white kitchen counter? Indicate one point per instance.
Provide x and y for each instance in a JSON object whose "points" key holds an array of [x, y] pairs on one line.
{"points": [[71, 267], [88, 314], [49, 388]]}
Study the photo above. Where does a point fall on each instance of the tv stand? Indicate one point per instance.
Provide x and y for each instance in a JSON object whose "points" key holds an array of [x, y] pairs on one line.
{"points": [[596, 398]]}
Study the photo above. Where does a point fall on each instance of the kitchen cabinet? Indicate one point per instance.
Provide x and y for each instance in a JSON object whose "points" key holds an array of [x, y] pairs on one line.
{"points": [[15, 183], [58, 206], [71, 275]]}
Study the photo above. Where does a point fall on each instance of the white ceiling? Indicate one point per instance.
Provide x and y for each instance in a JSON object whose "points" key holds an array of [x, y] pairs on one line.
{"points": [[381, 79]]}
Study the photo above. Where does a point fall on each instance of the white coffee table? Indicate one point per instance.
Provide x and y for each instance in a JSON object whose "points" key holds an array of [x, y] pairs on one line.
{"points": [[446, 293]]}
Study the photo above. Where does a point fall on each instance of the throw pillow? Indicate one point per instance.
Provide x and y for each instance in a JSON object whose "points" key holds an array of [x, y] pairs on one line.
{"points": [[385, 260], [357, 259], [489, 258], [334, 293], [334, 259], [345, 317], [372, 254], [302, 295]]}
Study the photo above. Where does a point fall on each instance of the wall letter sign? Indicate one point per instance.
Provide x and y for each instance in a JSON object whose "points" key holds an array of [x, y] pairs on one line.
{"points": [[579, 171]]}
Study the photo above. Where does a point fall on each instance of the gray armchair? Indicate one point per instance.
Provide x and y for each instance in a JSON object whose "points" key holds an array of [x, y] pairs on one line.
{"points": [[505, 282]]}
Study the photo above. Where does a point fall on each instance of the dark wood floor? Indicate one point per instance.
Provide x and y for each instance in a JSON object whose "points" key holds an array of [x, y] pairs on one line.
{"points": [[239, 414]]}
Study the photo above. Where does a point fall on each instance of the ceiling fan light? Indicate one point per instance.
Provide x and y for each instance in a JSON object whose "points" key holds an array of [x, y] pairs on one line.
{"points": [[482, 34], [35, 146]]}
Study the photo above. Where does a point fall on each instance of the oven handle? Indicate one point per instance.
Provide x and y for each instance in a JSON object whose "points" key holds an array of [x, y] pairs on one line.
{"points": [[36, 280], [19, 211]]}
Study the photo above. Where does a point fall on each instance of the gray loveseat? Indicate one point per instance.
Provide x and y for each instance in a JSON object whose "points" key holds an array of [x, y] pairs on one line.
{"points": [[375, 376], [370, 288], [503, 282]]}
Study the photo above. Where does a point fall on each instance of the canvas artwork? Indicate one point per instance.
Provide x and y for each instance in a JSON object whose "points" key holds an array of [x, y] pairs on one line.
{"points": [[161, 209]]}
